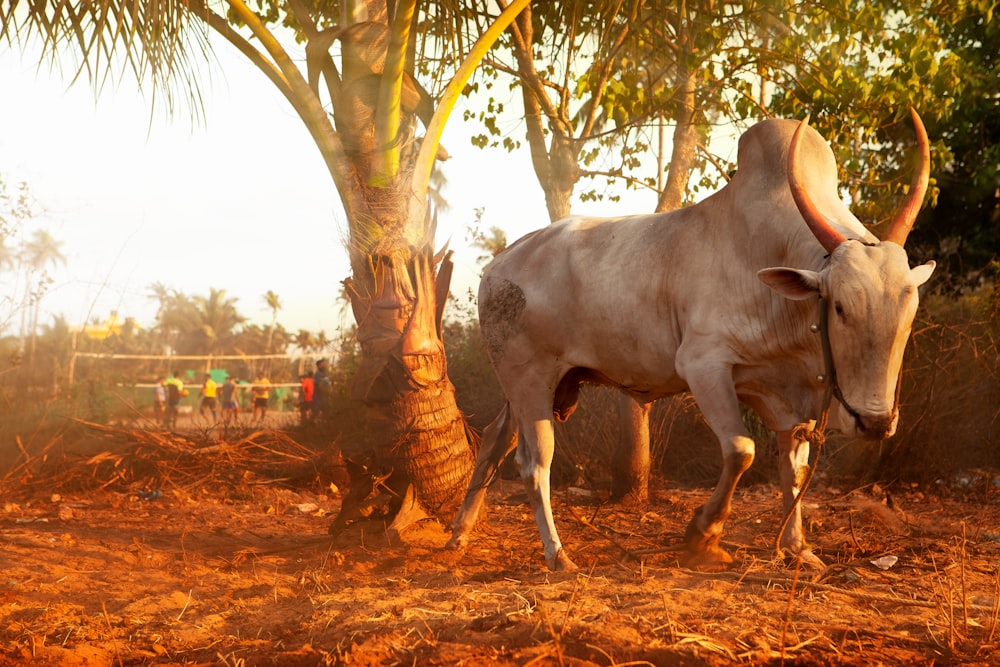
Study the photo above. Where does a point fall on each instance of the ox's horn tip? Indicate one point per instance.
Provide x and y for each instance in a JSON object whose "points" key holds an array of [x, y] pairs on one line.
{"points": [[905, 216]]}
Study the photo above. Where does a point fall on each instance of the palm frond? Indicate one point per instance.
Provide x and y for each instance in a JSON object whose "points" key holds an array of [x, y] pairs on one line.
{"points": [[158, 43]]}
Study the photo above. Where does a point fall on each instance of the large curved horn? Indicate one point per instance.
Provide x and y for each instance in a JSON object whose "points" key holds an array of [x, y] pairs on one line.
{"points": [[828, 237], [902, 221]]}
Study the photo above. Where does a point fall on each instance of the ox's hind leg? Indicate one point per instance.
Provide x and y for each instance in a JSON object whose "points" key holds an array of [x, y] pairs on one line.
{"points": [[793, 467], [535, 448], [499, 438]]}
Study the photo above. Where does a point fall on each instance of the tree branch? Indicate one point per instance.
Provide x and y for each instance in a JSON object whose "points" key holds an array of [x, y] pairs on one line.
{"points": [[605, 75]]}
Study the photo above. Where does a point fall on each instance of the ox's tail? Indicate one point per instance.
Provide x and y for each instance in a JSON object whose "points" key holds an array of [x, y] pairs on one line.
{"points": [[499, 439]]}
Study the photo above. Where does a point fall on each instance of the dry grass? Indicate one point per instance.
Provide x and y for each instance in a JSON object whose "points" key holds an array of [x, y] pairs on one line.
{"points": [[236, 570]]}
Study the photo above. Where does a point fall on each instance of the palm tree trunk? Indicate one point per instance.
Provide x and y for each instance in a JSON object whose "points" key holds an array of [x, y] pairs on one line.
{"points": [[418, 436]]}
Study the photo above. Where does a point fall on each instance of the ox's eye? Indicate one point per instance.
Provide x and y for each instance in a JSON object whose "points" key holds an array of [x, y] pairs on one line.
{"points": [[838, 308]]}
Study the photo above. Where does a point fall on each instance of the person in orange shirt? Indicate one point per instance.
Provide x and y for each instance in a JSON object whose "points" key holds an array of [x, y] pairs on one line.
{"points": [[305, 397]]}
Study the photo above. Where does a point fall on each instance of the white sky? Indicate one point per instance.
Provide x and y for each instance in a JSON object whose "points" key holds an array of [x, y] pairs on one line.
{"points": [[242, 203]]}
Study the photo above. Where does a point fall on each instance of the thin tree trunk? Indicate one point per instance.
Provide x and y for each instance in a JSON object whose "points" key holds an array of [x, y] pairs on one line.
{"points": [[685, 145], [630, 471], [630, 467]]}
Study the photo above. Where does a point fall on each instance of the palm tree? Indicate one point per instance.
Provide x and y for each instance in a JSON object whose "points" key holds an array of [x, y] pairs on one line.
{"points": [[213, 321], [304, 341], [8, 255], [203, 325], [273, 302], [40, 252]]}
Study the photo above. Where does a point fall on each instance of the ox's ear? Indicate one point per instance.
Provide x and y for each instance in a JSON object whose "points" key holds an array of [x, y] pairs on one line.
{"points": [[795, 284], [922, 273]]}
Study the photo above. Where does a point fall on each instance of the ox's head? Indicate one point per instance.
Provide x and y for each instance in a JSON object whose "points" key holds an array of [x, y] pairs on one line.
{"points": [[870, 292]]}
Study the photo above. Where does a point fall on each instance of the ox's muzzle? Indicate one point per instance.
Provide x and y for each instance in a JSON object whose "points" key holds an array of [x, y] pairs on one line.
{"points": [[875, 427]]}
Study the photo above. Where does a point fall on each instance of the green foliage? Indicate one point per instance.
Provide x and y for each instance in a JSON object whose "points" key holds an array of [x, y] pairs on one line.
{"points": [[858, 66]]}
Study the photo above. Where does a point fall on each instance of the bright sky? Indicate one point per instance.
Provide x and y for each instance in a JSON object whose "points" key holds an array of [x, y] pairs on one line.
{"points": [[242, 203]]}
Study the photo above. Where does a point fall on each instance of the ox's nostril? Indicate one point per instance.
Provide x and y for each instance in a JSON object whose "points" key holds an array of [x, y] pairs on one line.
{"points": [[874, 428]]}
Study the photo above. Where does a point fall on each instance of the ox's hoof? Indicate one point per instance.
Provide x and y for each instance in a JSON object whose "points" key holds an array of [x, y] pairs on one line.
{"points": [[561, 562], [458, 542], [703, 551], [808, 560], [709, 559]]}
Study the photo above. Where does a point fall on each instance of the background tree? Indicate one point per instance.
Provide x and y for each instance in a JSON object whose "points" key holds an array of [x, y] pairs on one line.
{"points": [[41, 251], [273, 302], [200, 325]]}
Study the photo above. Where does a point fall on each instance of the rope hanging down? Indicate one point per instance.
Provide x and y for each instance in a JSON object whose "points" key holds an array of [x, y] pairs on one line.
{"points": [[815, 433]]}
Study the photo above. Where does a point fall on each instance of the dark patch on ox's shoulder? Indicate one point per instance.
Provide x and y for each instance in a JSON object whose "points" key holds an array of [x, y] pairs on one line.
{"points": [[500, 314]]}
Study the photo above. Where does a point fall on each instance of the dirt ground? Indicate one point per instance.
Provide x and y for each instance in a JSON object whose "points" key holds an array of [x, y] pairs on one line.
{"points": [[236, 569]]}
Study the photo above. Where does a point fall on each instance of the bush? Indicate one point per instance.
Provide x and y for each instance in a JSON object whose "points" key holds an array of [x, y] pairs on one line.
{"points": [[950, 397]]}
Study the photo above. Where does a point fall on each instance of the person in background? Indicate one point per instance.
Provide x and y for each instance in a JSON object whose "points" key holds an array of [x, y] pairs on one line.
{"points": [[261, 392], [306, 397], [209, 390], [159, 400], [322, 391], [175, 391], [230, 404]]}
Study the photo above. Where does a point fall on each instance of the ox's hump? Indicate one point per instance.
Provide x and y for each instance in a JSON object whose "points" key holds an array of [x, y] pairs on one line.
{"points": [[762, 157]]}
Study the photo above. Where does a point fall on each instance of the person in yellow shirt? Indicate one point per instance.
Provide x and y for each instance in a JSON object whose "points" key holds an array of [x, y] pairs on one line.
{"points": [[209, 391], [175, 391], [260, 392]]}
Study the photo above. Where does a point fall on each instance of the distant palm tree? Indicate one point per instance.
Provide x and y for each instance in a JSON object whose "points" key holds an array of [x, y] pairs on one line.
{"points": [[204, 324], [39, 253], [217, 317], [321, 342], [273, 302], [304, 341], [8, 255], [43, 249]]}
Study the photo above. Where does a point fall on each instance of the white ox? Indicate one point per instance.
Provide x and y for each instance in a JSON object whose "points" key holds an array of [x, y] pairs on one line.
{"points": [[700, 299]]}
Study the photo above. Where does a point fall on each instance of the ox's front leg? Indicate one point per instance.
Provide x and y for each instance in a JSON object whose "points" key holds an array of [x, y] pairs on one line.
{"points": [[705, 530], [535, 448], [793, 467], [713, 390]]}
